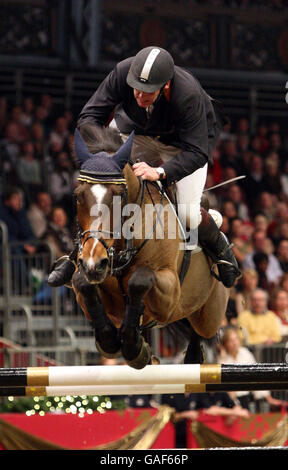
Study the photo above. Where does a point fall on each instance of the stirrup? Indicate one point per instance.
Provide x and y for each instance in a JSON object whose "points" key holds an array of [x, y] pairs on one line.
{"points": [[228, 263]]}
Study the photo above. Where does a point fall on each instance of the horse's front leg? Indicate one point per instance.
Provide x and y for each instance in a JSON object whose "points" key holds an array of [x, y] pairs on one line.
{"points": [[134, 349], [106, 333]]}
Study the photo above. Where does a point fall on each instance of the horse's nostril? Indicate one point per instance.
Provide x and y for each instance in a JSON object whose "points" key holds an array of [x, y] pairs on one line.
{"points": [[102, 264]]}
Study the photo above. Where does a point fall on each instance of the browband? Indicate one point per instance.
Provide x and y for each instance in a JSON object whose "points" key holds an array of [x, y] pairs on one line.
{"points": [[101, 177]]}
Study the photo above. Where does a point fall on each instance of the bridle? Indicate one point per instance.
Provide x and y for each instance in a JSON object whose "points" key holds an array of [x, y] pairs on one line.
{"points": [[119, 260]]}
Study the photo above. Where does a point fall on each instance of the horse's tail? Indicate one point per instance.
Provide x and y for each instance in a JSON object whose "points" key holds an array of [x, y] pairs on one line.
{"points": [[182, 333]]}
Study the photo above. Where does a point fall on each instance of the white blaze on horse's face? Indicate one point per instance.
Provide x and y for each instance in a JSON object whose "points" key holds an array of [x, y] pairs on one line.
{"points": [[99, 191]]}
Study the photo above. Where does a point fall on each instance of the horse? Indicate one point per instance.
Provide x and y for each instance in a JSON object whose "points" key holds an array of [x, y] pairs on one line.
{"points": [[126, 284]]}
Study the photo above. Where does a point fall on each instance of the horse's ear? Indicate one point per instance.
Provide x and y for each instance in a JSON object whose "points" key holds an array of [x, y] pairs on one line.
{"points": [[133, 183], [122, 156], [81, 151]]}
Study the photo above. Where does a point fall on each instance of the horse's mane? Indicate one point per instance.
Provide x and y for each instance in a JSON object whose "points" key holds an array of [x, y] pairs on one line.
{"points": [[101, 139]]}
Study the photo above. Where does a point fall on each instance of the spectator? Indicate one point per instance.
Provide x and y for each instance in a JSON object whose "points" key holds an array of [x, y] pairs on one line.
{"points": [[229, 209], [253, 184], [275, 145], [57, 234], [19, 132], [281, 232], [229, 155], [271, 180], [282, 255], [237, 235], [225, 227], [260, 260], [60, 131], [13, 214], [261, 222], [242, 143], [284, 179], [37, 136], [242, 126], [29, 168], [262, 131], [27, 116], [266, 204], [234, 194], [279, 303], [261, 243], [233, 353], [62, 184], [255, 144], [283, 282], [39, 212], [281, 217], [246, 286], [63, 179], [260, 325]]}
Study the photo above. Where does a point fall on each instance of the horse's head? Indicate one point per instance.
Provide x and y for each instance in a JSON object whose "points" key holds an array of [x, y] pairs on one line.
{"points": [[105, 184]]}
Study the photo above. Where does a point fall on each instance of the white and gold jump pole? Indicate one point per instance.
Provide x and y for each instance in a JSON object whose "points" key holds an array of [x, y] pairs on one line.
{"points": [[161, 374], [124, 390]]}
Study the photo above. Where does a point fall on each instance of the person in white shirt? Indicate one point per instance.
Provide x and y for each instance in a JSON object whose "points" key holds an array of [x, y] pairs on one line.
{"points": [[233, 353]]}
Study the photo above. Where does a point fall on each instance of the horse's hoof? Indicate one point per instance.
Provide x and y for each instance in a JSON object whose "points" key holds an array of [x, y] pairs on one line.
{"points": [[155, 361], [143, 358], [108, 355]]}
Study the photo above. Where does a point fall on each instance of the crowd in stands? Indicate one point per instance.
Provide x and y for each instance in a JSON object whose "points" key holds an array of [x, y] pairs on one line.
{"points": [[38, 173]]}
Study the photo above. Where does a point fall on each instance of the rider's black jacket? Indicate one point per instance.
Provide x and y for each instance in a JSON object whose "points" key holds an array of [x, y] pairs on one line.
{"points": [[188, 118]]}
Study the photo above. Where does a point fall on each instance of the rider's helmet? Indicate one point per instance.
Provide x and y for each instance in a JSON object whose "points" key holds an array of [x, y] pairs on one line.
{"points": [[151, 69]]}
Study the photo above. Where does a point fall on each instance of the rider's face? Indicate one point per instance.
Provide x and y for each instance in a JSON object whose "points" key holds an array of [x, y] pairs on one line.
{"points": [[145, 99]]}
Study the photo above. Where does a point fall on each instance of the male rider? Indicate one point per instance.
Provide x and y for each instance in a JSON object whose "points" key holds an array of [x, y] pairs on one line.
{"points": [[176, 126]]}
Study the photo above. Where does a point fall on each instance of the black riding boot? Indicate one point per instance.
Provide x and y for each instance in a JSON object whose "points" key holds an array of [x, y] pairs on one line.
{"points": [[63, 270], [215, 243]]}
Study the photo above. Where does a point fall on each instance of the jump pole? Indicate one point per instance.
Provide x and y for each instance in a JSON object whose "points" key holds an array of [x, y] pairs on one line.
{"points": [[161, 374], [111, 390]]}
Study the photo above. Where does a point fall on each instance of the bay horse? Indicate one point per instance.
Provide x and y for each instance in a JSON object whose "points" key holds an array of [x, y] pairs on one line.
{"points": [[124, 284]]}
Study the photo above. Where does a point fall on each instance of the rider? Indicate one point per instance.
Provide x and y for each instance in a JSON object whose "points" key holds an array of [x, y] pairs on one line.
{"points": [[176, 127]]}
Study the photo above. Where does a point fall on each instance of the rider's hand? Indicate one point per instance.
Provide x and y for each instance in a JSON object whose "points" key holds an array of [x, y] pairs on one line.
{"points": [[146, 171]]}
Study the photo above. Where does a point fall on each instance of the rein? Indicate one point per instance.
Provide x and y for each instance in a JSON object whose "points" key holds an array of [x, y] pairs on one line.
{"points": [[118, 261]]}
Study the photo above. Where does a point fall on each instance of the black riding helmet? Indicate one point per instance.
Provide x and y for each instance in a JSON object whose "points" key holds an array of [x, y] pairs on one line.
{"points": [[151, 68]]}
